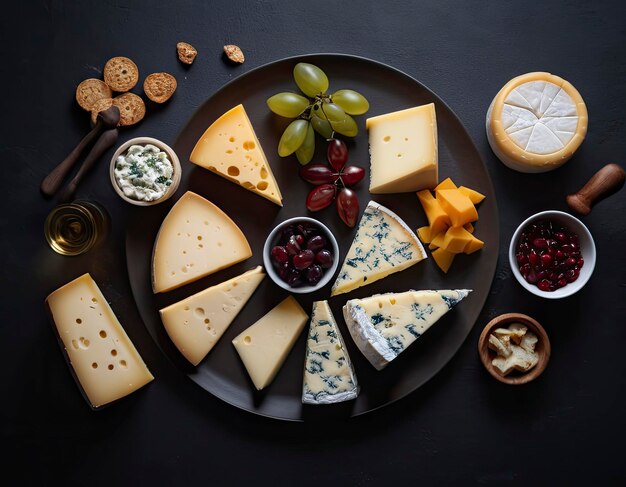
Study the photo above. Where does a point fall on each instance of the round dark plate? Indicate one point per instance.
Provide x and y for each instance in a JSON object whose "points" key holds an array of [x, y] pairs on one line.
{"points": [[222, 372]]}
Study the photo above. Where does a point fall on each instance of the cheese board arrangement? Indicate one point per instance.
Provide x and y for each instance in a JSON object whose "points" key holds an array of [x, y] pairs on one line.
{"points": [[358, 191]]}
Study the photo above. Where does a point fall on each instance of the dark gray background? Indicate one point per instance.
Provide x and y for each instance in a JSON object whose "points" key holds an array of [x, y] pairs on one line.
{"points": [[463, 426]]}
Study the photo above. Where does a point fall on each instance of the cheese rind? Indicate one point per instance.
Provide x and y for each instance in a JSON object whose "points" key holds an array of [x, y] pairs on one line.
{"points": [[105, 362], [403, 150], [196, 239], [383, 245], [384, 325], [536, 122], [264, 346], [230, 148], [196, 323], [328, 372]]}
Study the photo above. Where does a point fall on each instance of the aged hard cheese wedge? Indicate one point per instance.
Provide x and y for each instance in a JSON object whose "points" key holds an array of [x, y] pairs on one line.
{"points": [[403, 150], [536, 122], [196, 323], [328, 373], [383, 244], [384, 325], [104, 360], [196, 239], [230, 148], [264, 346]]}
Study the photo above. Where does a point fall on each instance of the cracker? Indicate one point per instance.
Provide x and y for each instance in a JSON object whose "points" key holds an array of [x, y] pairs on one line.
{"points": [[132, 108], [159, 87], [234, 53], [90, 91], [186, 52], [121, 74], [99, 106]]}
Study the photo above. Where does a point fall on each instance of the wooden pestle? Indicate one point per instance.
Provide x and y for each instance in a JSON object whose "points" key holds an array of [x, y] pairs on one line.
{"points": [[106, 119], [605, 182]]}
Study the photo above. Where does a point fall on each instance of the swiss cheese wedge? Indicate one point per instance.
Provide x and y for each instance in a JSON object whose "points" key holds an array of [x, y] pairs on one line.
{"points": [[230, 148], [196, 239]]}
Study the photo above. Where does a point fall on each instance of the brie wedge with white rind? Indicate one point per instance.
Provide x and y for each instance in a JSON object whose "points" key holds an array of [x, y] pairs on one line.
{"points": [[536, 122]]}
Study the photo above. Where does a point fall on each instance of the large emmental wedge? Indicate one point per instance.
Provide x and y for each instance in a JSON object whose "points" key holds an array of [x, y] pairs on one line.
{"points": [[384, 325], [230, 148], [104, 362], [196, 239]]}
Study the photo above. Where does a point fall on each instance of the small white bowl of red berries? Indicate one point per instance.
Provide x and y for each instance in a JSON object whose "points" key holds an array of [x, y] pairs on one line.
{"points": [[552, 254], [301, 255]]}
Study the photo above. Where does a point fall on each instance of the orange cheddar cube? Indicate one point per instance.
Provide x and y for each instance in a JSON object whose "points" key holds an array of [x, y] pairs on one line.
{"points": [[459, 207], [473, 245], [469, 227], [438, 240], [443, 258], [474, 196], [456, 240], [438, 219], [446, 184], [432, 246], [424, 234]]}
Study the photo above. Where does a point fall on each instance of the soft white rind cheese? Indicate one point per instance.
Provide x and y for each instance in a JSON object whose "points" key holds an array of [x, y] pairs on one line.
{"points": [[383, 244], [264, 346], [403, 150], [105, 362], [196, 323], [536, 122], [196, 239], [384, 325], [328, 373]]}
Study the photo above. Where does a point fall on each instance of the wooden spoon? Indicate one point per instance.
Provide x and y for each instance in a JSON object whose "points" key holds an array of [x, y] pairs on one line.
{"points": [[106, 140], [106, 119], [605, 182]]}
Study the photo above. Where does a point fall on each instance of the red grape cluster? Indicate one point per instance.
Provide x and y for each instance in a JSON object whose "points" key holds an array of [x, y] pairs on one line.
{"points": [[328, 180]]}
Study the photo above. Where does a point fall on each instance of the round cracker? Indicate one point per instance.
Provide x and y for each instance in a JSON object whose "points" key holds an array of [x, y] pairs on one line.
{"points": [[89, 91], [120, 73], [132, 108], [159, 87], [99, 106]]}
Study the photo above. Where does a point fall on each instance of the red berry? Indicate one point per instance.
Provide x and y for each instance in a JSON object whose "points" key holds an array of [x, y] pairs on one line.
{"points": [[546, 259], [521, 258], [580, 263], [544, 285], [540, 243], [533, 258], [562, 282], [570, 262]]}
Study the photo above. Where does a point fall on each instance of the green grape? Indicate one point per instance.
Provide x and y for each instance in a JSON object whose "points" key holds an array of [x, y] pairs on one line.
{"points": [[287, 104], [346, 127], [332, 112], [292, 137], [307, 149], [310, 79], [351, 101], [322, 127]]}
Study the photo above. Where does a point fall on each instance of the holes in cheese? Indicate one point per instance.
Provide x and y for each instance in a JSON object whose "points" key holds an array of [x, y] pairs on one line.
{"points": [[230, 148], [178, 259]]}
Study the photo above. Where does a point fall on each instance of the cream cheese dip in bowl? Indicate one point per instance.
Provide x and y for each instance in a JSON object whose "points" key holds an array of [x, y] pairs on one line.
{"points": [[145, 171]]}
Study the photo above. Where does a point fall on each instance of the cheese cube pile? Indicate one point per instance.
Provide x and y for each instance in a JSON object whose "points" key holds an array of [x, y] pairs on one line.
{"points": [[450, 212]]}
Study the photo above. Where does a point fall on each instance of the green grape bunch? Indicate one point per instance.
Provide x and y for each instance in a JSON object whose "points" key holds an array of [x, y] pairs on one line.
{"points": [[318, 111]]}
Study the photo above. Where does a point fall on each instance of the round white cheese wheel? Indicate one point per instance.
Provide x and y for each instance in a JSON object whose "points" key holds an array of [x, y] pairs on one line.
{"points": [[536, 122]]}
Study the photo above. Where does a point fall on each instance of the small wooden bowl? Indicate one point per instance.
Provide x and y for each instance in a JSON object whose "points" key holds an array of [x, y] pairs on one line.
{"points": [[542, 348]]}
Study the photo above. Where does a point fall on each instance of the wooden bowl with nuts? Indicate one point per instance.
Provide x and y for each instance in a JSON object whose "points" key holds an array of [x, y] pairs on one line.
{"points": [[514, 348]]}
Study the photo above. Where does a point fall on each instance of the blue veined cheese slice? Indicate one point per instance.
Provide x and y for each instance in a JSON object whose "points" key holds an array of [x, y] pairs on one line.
{"points": [[328, 373], [384, 325], [383, 244]]}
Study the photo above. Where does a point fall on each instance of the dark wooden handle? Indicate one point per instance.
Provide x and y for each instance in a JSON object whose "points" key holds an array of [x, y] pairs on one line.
{"points": [[605, 182], [52, 182], [106, 140]]}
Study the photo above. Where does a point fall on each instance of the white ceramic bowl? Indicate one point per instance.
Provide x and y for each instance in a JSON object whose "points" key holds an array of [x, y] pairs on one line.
{"points": [[171, 156], [272, 240], [587, 249]]}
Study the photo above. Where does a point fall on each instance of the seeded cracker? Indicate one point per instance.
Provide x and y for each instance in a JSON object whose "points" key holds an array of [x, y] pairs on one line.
{"points": [[234, 53], [132, 108], [89, 91], [121, 74], [186, 52], [99, 106], [159, 87]]}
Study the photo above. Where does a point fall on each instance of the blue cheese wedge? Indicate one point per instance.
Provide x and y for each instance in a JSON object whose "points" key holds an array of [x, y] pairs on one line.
{"points": [[383, 244], [328, 373], [384, 325]]}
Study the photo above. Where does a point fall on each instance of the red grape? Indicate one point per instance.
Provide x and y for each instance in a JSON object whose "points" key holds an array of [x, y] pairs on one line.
{"points": [[318, 174], [316, 243], [280, 255], [348, 206], [351, 175], [324, 258], [337, 154], [303, 260], [314, 274], [321, 197]]}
